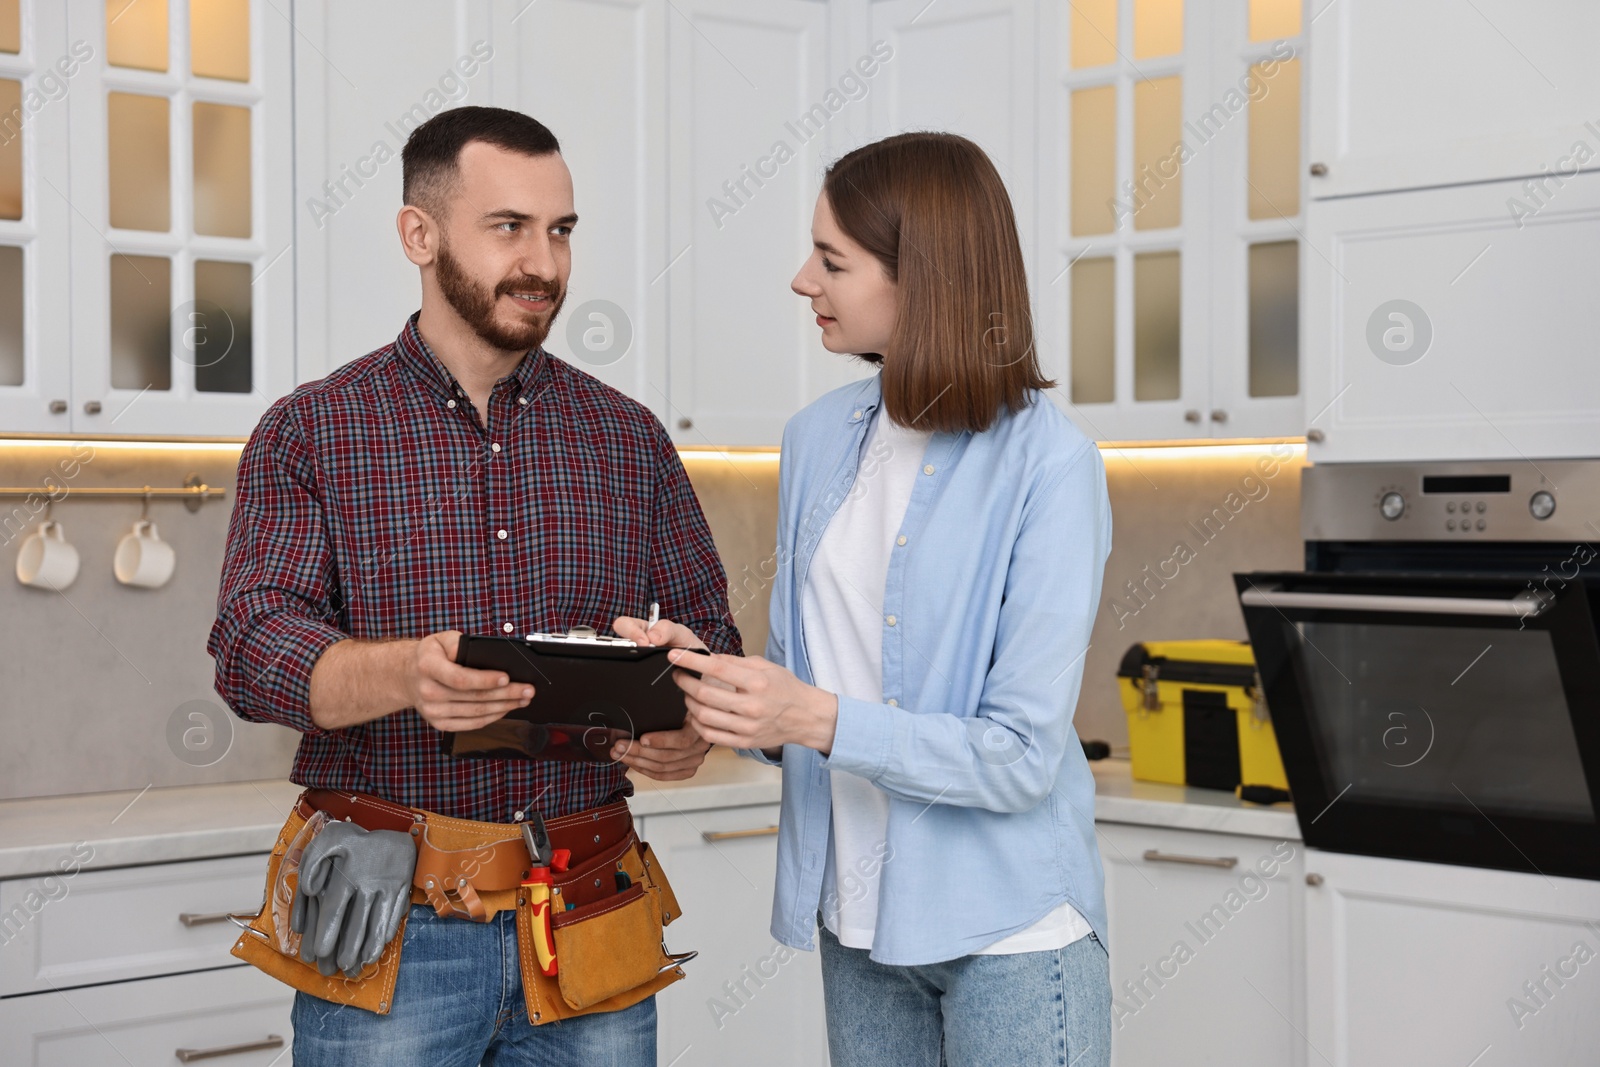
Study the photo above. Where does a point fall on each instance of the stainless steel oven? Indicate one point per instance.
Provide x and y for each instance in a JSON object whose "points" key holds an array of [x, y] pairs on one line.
{"points": [[1433, 674]]}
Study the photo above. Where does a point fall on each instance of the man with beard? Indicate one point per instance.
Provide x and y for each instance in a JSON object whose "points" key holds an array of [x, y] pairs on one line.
{"points": [[459, 480]]}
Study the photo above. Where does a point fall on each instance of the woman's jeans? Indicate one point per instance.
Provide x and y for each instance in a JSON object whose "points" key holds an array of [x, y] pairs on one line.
{"points": [[1029, 1009], [457, 1002]]}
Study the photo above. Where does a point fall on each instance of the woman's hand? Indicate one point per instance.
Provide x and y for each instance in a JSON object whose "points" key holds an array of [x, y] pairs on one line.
{"points": [[748, 702], [665, 755]]}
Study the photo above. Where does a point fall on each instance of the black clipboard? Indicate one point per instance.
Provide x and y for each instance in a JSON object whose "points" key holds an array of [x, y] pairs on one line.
{"points": [[586, 698]]}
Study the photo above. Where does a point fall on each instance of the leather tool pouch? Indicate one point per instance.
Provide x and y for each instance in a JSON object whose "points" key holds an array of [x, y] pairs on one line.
{"points": [[609, 950], [267, 943]]}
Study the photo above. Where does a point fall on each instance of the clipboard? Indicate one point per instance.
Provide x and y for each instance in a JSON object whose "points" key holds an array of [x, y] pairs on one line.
{"points": [[589, 693]]}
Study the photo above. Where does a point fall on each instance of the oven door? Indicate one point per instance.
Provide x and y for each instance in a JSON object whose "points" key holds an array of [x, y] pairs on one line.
{"points": [[1453, 719]]}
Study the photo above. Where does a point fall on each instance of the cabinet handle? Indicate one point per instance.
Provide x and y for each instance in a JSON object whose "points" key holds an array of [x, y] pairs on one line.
{"points": [[1227, 863], [1319, 170], [1218, 415], [204, 918], [1191, 415], [1315, 436], [91, 407], [1313, 879], [58, 407], [731, 835], [686, 423], [189, 1055]]}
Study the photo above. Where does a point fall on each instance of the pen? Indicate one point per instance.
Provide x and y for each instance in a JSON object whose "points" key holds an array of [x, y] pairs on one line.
{"points": [[655, 617]]}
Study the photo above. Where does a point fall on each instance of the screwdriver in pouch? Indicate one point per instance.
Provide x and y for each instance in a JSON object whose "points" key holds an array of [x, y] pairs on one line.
{"points": [[538, 883]]}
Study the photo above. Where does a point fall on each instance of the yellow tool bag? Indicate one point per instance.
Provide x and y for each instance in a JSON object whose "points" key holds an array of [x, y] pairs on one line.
{"points": [[1196, 715]]}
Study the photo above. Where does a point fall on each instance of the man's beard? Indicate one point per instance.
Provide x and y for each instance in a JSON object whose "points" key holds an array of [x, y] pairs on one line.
{"points": [[476, 304]]}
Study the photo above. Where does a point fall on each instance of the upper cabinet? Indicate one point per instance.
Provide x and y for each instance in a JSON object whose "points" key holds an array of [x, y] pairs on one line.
{"points": [[1171, 199], [1434, 92], [38, 61], [182, 305]]}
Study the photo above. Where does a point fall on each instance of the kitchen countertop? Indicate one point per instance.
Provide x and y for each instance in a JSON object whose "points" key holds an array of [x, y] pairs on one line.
{"points": [[196, 822]]}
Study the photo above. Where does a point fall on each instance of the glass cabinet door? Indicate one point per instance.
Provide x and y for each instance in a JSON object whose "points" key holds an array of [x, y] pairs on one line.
{"points": [[35, 369], [181, 177]]}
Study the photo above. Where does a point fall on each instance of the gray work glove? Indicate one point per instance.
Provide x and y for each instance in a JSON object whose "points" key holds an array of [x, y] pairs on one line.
{"points": [[354, 888]]}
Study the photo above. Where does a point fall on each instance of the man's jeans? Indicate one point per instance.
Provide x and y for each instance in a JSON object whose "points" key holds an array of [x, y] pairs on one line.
{"points": [[1029, 1009], [458, 1002]]}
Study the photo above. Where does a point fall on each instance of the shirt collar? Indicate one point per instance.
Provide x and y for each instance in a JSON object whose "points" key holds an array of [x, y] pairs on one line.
{"points": [[866, 401], [418, 357]]}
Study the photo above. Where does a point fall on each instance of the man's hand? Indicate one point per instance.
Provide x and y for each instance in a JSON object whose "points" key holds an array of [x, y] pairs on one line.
{"points": [[452, 697], [358, 681], [666, 755], [664, 632]]}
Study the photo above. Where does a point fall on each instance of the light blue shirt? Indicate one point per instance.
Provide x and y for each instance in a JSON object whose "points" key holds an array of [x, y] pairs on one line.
{"points": [[988, 606]]}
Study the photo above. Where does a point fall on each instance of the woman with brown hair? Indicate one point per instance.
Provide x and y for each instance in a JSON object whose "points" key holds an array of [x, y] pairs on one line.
{"points": [[942, 534]]}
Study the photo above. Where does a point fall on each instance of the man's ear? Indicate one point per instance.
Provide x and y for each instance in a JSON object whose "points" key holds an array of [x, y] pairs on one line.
{"points": [[419, 235]]}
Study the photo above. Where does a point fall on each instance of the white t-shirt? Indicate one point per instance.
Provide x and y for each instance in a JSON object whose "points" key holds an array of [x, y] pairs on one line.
{"points": [[842, 607]]}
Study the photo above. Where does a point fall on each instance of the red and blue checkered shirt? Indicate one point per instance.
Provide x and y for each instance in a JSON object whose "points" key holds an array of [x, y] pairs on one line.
{"points": [[373, 504]]}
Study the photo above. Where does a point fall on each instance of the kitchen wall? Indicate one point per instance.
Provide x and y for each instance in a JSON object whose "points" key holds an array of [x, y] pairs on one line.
{"points": [[106, 687]]}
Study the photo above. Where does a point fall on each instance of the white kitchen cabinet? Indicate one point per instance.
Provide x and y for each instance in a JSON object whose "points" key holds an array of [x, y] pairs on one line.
{"points": [[1440, 327], [1413, 963], [101, 926], [1170, 261], [747, 999], [181, 187], [1433, 92], [965, 67], [35, 273], [749, 114], [608, 109], [238, 1015], [364, 79], [1204, 944]]}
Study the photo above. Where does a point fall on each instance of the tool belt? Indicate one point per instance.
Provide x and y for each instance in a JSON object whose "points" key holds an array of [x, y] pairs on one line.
{"points": [[608, 940]]}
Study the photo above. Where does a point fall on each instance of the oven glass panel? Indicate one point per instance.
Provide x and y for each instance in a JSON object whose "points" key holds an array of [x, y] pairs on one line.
{"points": [[1457, 717]]}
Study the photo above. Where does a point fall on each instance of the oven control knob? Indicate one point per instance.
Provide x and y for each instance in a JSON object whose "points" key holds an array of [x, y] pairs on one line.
{"points": [[1542, 504], [1393, 505]]}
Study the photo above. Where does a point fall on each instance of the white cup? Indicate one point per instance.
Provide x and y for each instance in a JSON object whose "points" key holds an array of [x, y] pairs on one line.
{"points": [[46, 560], [142, 558]]}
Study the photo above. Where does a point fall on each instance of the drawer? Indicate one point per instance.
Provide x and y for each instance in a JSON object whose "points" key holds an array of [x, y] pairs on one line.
{"points": [[238, 1015], [57, 932]]}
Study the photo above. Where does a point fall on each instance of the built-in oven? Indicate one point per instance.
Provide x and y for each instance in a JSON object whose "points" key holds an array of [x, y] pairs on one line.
{"points": [[1433, 675]]}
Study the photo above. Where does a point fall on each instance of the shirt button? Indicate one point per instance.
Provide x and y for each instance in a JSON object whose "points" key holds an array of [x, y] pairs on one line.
{"points": [[890, 620], [900, 540], [856, 416], [516, 816], [500, 534], [522, 400], [451, 404], [893, 703], [507, 627], [494, 448], [927, 469]]}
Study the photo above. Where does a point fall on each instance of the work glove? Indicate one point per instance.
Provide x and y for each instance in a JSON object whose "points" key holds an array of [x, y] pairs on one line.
{"points": [[354, 888]]}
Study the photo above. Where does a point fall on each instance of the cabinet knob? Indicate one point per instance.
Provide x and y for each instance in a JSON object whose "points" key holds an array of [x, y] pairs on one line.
{"points": [[1218, 415], [1191, 415], [91, 407], [1319, 170], [58, 407], [686, 423], [1313, 879], [1315, 436]]}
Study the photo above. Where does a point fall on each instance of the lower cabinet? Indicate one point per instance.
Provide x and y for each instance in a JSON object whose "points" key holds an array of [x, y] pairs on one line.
{"points": [[1204, 932], [747, 999], [1411, 963], [235, 1015]]}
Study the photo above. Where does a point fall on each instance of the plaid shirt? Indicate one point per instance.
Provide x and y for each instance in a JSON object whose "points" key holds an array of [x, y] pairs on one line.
{"points": [[372, 504]]}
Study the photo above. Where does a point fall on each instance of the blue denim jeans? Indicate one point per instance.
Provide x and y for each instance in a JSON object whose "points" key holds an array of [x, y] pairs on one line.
{"points": [[457, 1003], [1029, 1009]]}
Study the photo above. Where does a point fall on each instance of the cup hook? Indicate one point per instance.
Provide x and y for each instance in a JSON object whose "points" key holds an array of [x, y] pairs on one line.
{"points": [[144, 510]]}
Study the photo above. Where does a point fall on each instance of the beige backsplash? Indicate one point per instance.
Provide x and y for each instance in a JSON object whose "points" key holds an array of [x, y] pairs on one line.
{"points": [[105, 687]]}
